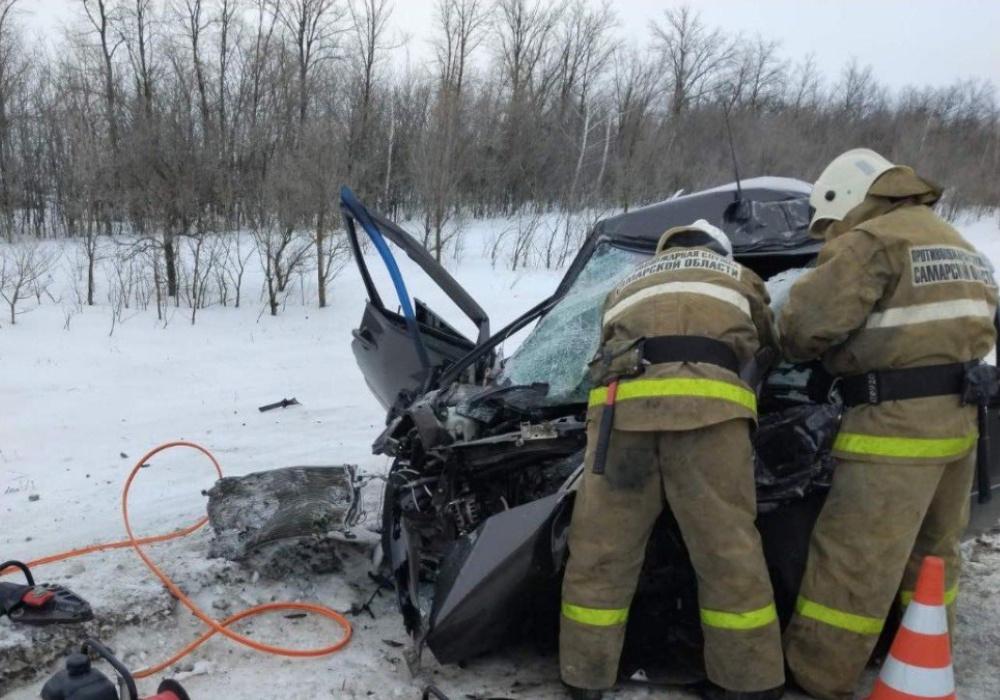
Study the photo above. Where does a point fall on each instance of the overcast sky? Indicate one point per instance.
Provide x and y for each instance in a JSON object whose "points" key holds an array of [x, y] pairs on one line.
{"points": [[905, 41]]}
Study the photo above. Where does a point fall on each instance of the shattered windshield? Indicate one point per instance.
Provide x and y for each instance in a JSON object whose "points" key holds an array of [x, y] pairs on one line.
{"points": [[558, 349]]}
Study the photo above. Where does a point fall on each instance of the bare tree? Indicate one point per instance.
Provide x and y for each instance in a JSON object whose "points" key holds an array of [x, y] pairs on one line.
{"points": [[237, 255], [207, 255], [282, 252], [370, 21], [11, 67], [91, 250], [635, 90], [587, 47], [226, 21], [336, 256], [804, 89], [858, 93], [460, 24], [314, 26], [695, 57], [756, 75], [24, 266], [195, 25], [525, 229], [525, 38], [137, 35], [101, 15]]}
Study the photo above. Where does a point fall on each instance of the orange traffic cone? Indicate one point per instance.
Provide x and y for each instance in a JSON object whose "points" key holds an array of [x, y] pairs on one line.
{"points": [[919, 662]]}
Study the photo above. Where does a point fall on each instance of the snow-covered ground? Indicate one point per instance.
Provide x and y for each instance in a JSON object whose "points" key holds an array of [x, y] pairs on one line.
{"points": [[81, 405]]}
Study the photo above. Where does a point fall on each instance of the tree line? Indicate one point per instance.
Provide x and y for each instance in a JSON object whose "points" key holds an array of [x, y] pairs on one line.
{"points": [[159, 122]]}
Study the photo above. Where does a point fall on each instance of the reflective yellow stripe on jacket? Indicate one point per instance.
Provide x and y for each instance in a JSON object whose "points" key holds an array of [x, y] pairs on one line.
{"points": [[859, 624], [923, 448], [677, 386], [596, 617], [752, 619]]}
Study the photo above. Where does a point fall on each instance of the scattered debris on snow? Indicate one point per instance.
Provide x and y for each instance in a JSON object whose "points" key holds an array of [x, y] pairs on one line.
{"points": [[284, 521]]}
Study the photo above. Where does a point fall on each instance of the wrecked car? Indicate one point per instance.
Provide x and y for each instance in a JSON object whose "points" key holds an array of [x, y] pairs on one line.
{"points": [[487, 452]]}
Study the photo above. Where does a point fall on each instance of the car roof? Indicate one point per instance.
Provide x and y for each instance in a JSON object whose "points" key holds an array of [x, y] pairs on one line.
{"points": [[773, 217]]}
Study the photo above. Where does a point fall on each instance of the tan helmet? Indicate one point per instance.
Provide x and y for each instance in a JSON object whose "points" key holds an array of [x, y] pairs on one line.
{"points": [[697, 235], [844, 184]]}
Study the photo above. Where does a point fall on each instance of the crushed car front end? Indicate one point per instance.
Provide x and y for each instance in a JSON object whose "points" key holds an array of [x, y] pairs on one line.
{"points": [[486, 455]]}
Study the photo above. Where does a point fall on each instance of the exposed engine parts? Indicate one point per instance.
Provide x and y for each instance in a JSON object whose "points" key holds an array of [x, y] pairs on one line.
{"points": [[467, 457], [465, 513]]}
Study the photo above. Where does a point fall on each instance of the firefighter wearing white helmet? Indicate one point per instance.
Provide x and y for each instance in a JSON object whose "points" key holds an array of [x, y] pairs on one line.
{"points": [[844, 185], [900, 307], [700, 233], [669, 422]]}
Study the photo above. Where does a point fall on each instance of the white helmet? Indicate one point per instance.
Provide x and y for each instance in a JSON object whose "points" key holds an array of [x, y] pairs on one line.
{"points": [[699, 234], [845, 183]]}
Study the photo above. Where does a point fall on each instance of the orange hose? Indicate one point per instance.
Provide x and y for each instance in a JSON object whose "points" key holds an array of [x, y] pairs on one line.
{"points": [[215, 626]]}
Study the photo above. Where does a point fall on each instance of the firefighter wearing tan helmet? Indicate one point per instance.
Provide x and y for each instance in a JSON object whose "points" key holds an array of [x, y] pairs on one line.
{"points": [[900, 307], [669, 424]]}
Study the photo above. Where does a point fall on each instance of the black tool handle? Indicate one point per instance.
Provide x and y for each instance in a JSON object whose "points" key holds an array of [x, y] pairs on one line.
{"points": [[119, 667], [19, 565], [284, 403], [604, 429]]}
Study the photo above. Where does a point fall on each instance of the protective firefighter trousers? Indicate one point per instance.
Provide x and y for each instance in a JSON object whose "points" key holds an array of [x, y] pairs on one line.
{"points": [[878, 523], [706, 476]]}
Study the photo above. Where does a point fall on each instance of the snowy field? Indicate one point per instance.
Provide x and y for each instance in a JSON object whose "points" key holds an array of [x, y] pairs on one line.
{"points": [[81, 405]]}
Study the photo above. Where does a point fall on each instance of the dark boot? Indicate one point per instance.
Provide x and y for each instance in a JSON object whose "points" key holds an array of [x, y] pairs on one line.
{"points": [[710, 691], [584, 693]]}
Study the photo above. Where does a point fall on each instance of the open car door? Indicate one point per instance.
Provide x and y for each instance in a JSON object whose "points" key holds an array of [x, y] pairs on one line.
{"points": [[401, 353]]}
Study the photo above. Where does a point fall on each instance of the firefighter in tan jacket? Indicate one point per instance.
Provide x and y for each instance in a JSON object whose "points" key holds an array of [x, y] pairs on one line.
{"points": [[669, 424], [899, 306]]}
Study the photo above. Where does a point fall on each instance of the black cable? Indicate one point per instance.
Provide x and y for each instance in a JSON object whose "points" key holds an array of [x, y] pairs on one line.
{"points": [[22, 566], [433, 690], [119, 667]]}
